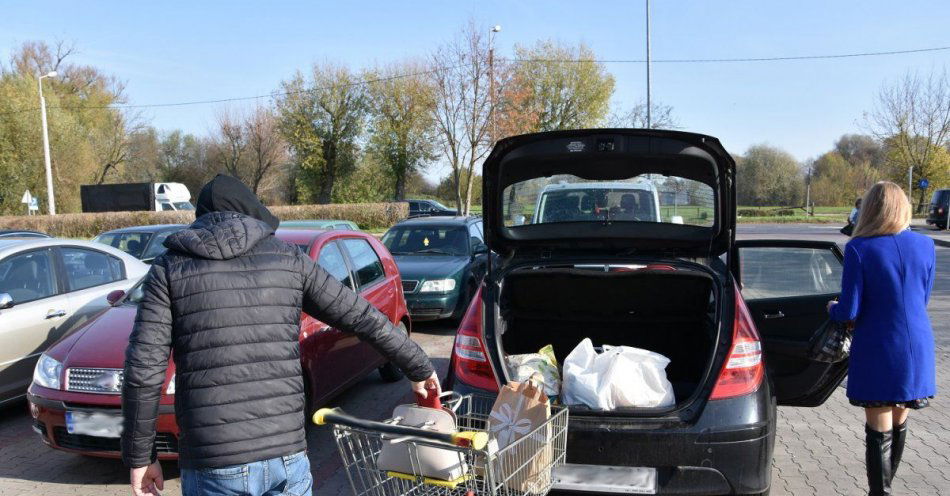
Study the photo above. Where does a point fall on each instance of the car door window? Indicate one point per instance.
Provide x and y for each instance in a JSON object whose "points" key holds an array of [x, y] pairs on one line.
{"points": [[474, 235], [89, 268], [781, 272], [366, 263], [157, 247], [28, 276], [332, 260]]}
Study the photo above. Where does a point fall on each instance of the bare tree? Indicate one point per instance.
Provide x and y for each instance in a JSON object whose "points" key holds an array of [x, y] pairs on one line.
{"points": [[267, 153], [460, 79], [660, 118], [231, 141], [912, 117]]}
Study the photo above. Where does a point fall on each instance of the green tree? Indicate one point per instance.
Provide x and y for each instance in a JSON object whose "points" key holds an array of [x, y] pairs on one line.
{"points": [[322, 119], [402, 128], [87, 137], [562, 85], [912, 118], [767, 175], [835, 181]]}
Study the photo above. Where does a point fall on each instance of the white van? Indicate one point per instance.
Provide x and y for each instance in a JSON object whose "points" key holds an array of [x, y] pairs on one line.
{"points": [[636, 200]]}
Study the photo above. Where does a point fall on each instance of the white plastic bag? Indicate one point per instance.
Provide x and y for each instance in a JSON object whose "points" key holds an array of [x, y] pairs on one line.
{"points": [[524, 367], [621, 376]]}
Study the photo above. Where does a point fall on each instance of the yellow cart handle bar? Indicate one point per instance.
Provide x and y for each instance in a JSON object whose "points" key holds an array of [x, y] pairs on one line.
{"points": [[464, 439]]}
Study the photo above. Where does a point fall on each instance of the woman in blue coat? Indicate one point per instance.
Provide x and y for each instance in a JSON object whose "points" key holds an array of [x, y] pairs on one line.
{"points": [[885, 288]]}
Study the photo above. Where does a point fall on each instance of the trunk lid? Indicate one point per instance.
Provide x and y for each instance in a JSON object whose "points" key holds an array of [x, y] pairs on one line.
{"points": [[610, 191]]}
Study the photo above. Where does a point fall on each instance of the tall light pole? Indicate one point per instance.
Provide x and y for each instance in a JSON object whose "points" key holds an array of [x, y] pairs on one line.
{"points": [[649, 106], [49, 173], [491, 80]]}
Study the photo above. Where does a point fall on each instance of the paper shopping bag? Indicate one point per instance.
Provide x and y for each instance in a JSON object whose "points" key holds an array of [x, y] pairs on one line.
{"points": [[525, 453]]}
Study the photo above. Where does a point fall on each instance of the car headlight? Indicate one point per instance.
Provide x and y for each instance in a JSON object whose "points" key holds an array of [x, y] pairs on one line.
{"points": [[438, 286], [171, 386], [47, 372]]}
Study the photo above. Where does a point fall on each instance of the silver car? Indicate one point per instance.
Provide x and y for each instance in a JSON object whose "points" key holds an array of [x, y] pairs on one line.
{"points": [[47, 287]]}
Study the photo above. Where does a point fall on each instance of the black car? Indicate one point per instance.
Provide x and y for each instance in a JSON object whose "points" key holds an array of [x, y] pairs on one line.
{"points": [[21, 233], [419, 208], [441, 261], [939, 208], [736, 349], [142, 242]]}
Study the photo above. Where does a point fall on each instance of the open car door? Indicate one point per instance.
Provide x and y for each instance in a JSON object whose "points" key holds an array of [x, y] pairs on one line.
{"points": [[787, 285]]}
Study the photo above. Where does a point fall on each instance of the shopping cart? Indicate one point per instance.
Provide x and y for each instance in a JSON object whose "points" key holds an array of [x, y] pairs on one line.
{"points": [[525, 467]]}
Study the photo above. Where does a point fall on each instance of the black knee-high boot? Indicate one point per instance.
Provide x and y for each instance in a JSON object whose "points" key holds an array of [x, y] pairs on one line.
{"points": [[878, 458], [897, 447]]}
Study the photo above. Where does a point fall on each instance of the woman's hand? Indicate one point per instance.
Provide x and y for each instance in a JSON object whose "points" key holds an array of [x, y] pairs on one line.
{"points": [[431, 384], [831, 304]]}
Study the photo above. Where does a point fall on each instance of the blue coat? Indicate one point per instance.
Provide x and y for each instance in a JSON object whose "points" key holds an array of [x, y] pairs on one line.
{"points": [[885, 290]]}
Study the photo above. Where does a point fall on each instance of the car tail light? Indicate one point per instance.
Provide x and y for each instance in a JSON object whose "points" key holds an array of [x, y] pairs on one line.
{"points": [[471, 359], [743, 371]]}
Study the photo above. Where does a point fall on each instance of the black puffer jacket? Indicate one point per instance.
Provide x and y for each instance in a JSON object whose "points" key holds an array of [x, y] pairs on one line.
{"points": [[226, 299]]}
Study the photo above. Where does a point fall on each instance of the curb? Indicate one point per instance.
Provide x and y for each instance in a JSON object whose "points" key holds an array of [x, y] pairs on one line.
{"points": [[938, 240]]}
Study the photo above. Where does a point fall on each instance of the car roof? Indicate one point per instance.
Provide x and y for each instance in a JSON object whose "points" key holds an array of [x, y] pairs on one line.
{"points": [[603, 185], [300, 236], [447, 220], [149, 228], [28, 231]]}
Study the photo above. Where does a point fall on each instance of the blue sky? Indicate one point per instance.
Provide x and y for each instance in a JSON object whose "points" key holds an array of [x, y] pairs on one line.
{"points": [[186, 51]]}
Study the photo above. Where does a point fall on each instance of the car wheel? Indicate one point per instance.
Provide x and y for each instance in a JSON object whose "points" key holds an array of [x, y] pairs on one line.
{"points": [[389, 372]]}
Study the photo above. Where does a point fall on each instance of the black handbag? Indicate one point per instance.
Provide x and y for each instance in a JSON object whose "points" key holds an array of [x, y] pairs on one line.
{"points": [[832, 342], [847, 230]]}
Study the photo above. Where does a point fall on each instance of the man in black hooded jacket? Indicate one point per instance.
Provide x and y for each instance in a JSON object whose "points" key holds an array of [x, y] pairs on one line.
{"points": [[226, 299]]}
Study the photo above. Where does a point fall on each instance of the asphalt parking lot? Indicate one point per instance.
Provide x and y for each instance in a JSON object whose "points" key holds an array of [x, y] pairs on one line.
{"points": [[818, 450]]}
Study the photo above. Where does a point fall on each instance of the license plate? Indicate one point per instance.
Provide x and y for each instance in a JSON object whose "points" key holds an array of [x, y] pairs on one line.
{"points": [[94, 424], [605, 479]]}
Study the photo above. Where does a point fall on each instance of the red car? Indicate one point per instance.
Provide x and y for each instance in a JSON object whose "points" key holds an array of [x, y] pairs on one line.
{"points": [[83, 414]]}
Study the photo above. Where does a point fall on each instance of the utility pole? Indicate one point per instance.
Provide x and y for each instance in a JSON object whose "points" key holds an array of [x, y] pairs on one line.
{"points": [[649, 104], [808, 191], [491, 81], [910, 186], [51, 200]]}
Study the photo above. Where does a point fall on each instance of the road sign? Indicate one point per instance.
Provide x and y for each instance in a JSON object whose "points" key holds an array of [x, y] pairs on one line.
{"points": [[27, 197], [923, 183], [34, 204]]}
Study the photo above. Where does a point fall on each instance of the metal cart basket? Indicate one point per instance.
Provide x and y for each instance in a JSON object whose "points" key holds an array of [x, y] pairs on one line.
{"points": [[524, 467]]}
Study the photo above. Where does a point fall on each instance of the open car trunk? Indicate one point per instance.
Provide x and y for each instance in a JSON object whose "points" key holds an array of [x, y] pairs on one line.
{"points": [[671, 312]]}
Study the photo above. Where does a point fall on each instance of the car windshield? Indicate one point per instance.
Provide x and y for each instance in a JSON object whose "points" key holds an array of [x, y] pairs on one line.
{"points": [[644, 198], [133, 243], [183, 205], [427, 240], [438, 205]]}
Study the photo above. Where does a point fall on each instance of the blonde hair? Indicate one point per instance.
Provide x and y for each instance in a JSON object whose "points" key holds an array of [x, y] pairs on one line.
{"points": [[884, 210]]}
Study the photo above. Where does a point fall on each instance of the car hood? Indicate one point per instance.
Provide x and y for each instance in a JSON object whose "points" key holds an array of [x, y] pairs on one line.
{"points": [[610, 155], [101, 342], [425, 267]]}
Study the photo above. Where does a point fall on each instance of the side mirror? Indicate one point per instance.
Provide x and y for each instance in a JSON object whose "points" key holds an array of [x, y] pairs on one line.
{"points": [[6, 301], [480, 249], [676, 219], [114, 296]]}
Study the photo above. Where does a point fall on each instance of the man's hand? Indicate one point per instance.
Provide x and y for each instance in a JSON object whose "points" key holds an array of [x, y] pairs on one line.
{"points": [[147, 481], [831, 304], [430, 384]]}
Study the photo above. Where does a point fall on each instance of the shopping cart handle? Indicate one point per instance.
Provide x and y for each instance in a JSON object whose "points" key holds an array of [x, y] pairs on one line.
{"points": [[465, 439]]}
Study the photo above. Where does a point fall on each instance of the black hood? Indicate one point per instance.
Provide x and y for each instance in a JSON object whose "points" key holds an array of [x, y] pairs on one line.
{"points": [[219, 236], [228, 194]]}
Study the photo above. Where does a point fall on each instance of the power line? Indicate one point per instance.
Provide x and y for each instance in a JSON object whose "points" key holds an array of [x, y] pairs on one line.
{"points": [[437, 69], [743, 59]]}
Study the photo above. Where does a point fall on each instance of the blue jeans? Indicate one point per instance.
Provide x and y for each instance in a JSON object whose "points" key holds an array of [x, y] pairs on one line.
{"points": [[285, 475]]}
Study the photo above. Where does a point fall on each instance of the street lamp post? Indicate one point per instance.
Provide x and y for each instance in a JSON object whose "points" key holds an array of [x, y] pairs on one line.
{"points": [[649, 106], [49, 173], [491, 80]]}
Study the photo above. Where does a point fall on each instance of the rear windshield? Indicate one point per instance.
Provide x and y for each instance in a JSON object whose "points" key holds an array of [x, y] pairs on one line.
{"points": [[940, 197], [644, 198]]}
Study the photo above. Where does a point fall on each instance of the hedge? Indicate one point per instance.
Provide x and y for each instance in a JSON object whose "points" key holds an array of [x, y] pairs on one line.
{"points": [[366, 215]]}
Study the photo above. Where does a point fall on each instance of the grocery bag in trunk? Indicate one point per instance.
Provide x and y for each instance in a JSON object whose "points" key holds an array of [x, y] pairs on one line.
{"points": [[520, 409], [621, 376]]}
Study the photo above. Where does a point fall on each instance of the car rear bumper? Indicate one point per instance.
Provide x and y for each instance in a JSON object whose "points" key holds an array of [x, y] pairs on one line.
{"points": [[431, 306], [49, 421], [727, 450]]}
